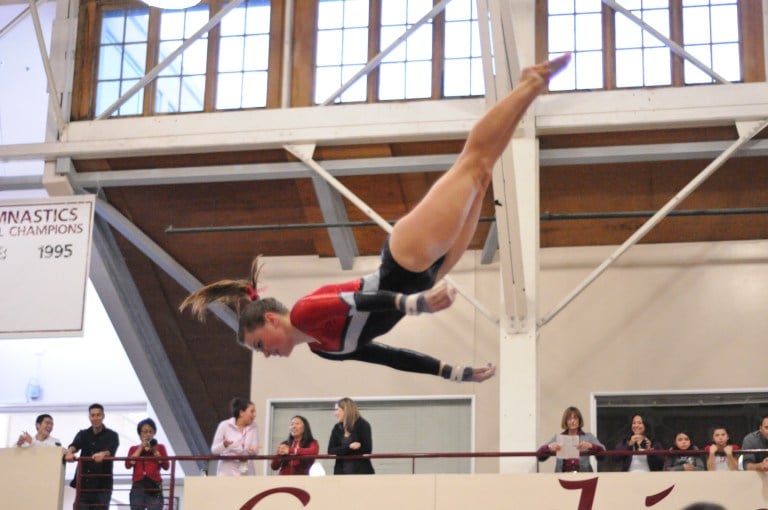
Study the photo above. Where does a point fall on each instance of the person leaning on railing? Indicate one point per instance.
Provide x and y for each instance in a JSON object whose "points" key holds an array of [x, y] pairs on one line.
{"points": [[757, 440], [640, 439], [572, 425], [296, 448]]}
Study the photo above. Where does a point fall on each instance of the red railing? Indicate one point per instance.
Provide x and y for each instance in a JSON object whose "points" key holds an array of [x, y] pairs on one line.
{"points": [[413, 456]]}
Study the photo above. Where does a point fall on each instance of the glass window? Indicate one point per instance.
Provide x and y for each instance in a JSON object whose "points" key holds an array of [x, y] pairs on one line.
{"points": [[711, 34], [122, 59], [244, 56], [576, 26], [707, 29], [181, 84], [463, 71], [406, 73], [342, 49], [641, 58]]}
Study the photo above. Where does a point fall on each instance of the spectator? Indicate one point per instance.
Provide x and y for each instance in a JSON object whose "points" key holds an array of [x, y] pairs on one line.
{"points": [[146, 459], [97, 442], [300, 443], [721, 452], [757, 440], [42, 437], [237, 436], [683, 461], [572, 424], [640, 440], [350, 436]]}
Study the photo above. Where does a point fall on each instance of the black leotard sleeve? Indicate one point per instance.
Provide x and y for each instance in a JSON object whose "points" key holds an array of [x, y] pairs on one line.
{"points": [[393, 357]]}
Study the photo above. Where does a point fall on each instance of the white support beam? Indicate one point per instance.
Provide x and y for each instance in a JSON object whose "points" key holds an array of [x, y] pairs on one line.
{"points": [[160, 257], [746, 133]]}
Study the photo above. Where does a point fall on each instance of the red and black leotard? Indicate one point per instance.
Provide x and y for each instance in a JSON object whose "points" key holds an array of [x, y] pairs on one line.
{"points": [[345, 318]]}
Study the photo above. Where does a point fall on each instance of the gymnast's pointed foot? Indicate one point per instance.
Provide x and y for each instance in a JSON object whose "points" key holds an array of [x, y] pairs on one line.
{"points": [[542, 72]]}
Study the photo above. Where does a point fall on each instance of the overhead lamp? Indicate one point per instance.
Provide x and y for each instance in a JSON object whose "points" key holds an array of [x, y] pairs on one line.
{"points": [[171, 4]]}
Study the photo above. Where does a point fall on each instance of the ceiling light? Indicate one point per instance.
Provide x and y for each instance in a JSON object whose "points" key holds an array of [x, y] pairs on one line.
{"points": [[171, 4]]}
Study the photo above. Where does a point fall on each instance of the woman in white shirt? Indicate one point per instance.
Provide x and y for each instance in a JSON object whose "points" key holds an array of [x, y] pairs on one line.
{"points": [[237, 436]]}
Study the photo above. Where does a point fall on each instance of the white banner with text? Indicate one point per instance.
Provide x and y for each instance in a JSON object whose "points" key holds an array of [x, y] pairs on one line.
{"points": [[45, 253]]}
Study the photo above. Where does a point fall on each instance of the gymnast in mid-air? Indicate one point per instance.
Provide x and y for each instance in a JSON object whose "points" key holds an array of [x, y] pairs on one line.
{"points": [[342, 321]]}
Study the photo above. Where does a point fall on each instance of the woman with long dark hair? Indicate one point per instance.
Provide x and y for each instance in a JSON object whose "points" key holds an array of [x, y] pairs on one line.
{"points": [[294, 450]]}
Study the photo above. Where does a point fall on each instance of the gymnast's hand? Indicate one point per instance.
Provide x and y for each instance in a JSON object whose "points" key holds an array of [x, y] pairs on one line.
{"points": [[439, 298], [430, 301], [482, 373]]}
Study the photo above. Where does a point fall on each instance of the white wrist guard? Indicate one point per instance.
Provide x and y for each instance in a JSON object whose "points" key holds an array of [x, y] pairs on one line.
{"points": [[413, 304]]}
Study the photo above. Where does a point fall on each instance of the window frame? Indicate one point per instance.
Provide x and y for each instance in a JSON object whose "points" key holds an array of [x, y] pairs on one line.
{"points": [[751, 45]]}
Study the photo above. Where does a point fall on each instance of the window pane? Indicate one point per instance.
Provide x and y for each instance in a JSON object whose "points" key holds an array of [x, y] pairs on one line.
{"points": [[355, 46], [589, 34], [456, 36], [693, 74], [342, 46], [133, 106], [228, 91], [192, 90], [562, 34], [164, 50], [244, 57], [112, 27], [255, 90], [657, 67], [456, 73], [696, 25], [589, 70], [107, 93], [392, 81], [327, 80], [195, 57], [329, 48], [477, 78], [356, 13], [565, 79], [393, 12], [725, 58], [134, 62], [231, 54], [257, 53], [357, 91], [628, 33], [419, 44], [726, 24], [388, 36], [122, 56], [110, 58], [462, 39], [418, 80], [184, 90], [560, 7], [136, 26], [629, 68], [460, 10], [587, 5], [659, 20], [257, 19], [417, 9], [167, 98], [416, 48], [233, 23], [330, 14]]}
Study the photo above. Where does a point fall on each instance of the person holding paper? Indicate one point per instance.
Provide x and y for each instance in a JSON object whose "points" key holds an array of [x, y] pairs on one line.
{"points": [[572, 446]]}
